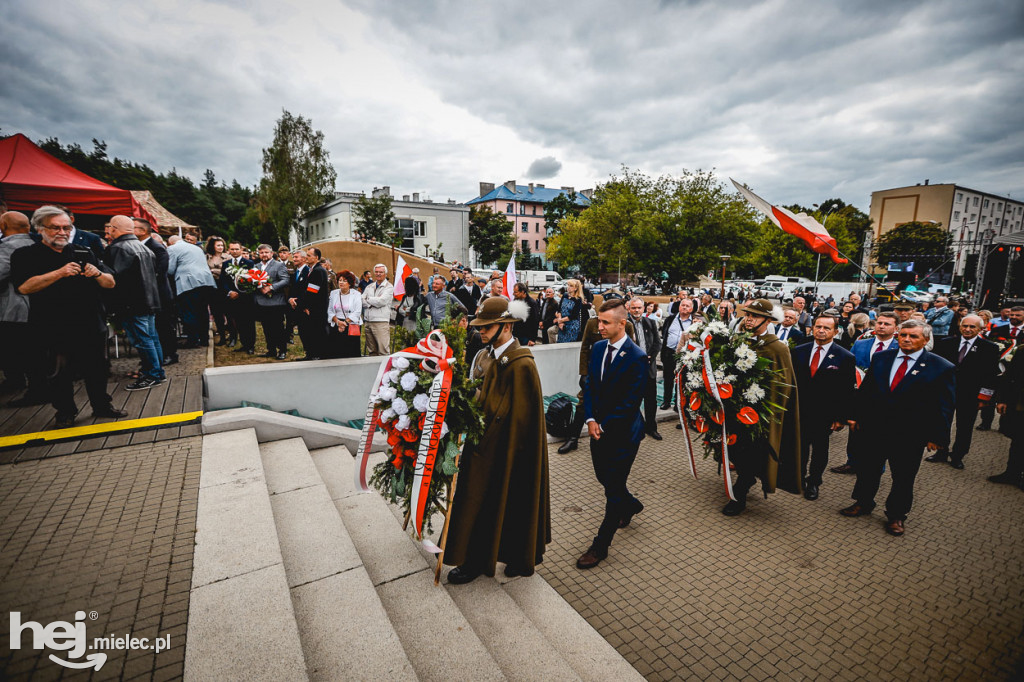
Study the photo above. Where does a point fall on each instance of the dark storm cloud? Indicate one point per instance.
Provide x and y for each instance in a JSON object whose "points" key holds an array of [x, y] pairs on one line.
{"points": [[544, 168], [800, 97]]}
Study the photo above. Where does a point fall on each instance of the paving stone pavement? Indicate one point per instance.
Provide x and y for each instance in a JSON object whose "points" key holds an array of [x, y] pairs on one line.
{"points": [[790, 589], [109, 532]]}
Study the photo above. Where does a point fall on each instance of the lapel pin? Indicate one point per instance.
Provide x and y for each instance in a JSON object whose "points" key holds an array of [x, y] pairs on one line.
{"points": [[914, 371], [622, 353], [504, 359]]}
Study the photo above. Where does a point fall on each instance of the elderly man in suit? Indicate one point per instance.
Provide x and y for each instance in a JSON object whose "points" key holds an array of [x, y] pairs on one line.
{"points": [[977, 366], [240, 304], [788, 330], [649, 340], [904, 404], [611, 403], [548, 310], [826, 375], [194, 283], [272, 302]]}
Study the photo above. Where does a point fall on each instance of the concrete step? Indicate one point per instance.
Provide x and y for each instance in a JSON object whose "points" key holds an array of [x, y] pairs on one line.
{"points": [[241, 624], [344, 629], [437, 638]]}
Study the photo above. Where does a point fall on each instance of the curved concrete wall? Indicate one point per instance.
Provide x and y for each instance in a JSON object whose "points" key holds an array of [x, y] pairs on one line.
{"points": [[340, 389]]}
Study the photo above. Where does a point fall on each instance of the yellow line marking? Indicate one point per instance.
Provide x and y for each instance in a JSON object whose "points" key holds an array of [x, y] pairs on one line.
{"points": [[91, 430]]}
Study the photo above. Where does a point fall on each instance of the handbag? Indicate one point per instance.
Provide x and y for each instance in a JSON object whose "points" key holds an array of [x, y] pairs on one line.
{"points": [[353, 328]]}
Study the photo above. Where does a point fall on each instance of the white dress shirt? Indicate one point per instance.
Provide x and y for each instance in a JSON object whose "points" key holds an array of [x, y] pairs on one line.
{"points": [[886, 345], [825, 348], [899, 361]]}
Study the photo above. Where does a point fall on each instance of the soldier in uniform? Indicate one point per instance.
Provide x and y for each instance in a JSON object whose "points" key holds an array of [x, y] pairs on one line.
{"points": [[501, 509], [776, 459]]}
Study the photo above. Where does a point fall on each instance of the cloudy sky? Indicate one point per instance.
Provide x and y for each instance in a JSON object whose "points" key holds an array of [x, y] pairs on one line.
{"points": [[801, 99]]}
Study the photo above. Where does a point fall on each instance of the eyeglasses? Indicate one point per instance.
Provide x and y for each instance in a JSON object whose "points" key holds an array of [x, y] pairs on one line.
{"points": [[58, 228]]}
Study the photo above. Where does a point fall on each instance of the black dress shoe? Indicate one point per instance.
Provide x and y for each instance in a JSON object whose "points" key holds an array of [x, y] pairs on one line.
{"points": [[171, 360], [460, 575], [268, 354], [625, 521], [222, 342], [937, 457], [282, 356], [679, 426], [568, 446], [665, 406], [250, 351], [64, 421], [240, 349], [655, 435], [844, 469], [1007, 478], [984, 427], [957, 464], [109, 413], [28, 401], [810, 492], [513, 571], [734, 507]]}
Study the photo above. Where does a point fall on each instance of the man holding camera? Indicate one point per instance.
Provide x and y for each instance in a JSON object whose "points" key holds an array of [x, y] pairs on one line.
{"points": [[63, 284]]}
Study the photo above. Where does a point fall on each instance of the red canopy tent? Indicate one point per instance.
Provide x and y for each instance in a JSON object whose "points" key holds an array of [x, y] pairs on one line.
{"points": [[30, 178]]}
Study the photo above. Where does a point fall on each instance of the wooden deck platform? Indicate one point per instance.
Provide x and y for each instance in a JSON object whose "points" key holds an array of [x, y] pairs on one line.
{"points": [[182, 392]]}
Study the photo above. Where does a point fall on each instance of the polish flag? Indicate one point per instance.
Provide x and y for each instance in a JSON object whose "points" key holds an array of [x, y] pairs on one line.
{"points": [[509, 278], [800, 225], [402, 270]]}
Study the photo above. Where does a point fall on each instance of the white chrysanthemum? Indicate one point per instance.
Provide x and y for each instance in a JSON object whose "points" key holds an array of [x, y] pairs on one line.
{"points": [[387, 415], [719, 376], [399, 406], [408, 381], [444, 429], [729, 378], [420, 402], [387, 393], [718, 327], [394, 375], [744, 351], [403, 422], [695, 328], [694, 381], [691, 357], [400, 363], [753, 394], [746, 364]]}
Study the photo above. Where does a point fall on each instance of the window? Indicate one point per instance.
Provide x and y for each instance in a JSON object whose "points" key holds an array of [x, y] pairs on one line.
{"points": [[959, 197], [956, 215], [508, 207], [536, 244], [526, 227], [975, 201], [526, 245], [999, 207], [419, 228], [405, 231], [997, 222], [536, 227], [974, 216], [535, 210], [985, 205]]}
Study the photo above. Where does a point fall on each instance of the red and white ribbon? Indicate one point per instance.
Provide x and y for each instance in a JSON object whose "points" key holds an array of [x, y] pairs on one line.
{"points": [[435, 357]]}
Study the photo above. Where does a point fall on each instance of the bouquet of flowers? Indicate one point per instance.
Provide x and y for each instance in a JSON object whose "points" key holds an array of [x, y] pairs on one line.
{"points": [[247, 280], [1007, 349], [419, 386], [724, 389]]}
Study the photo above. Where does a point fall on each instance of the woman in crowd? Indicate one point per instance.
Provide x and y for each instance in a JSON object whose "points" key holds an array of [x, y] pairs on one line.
{"points": [[345, 318], [216, 256], [411, 307], [858, 325], [725, 311], [571, 314], [654, 312]]}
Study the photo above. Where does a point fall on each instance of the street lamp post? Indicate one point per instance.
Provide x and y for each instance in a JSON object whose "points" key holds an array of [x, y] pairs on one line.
{"points": [[725, 259]]}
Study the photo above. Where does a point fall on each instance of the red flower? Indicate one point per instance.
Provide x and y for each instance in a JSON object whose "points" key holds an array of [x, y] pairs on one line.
{"points": [[718, 416], [725, 390], [700, 425], [747, 416], [695, 401]]}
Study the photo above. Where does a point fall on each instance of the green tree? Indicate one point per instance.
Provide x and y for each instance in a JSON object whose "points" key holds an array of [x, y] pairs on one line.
{"points": [[297, 175], [490, 235], [559, 208], [375, 220], [677, 225], [926, 244], [525, 260]]}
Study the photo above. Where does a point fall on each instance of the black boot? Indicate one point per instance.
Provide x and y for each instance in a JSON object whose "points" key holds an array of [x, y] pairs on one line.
{"points": [[568, 446]]}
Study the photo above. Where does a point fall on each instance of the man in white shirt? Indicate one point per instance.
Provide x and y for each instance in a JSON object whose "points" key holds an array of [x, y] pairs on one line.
{"points": [[377, 299], [673, 332], [788, 329]]}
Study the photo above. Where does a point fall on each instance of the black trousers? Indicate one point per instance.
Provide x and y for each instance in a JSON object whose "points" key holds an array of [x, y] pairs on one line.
{"points": [[966, 414], [988, 413], [272, 318], [668, 375], [82, 354], [219, 310], [904, 461], [651, 404], [613, 459], [749, 460], [814, 442], [313, 332], [242, 312], [167, 329], [21, 359], [195, 314]]}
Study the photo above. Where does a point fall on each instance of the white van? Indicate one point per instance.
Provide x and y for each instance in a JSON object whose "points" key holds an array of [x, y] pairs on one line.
{"points": [[540, 279]]}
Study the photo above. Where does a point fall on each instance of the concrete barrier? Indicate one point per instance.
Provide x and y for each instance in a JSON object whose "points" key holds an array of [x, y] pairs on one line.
{"points": [[339, 389]]}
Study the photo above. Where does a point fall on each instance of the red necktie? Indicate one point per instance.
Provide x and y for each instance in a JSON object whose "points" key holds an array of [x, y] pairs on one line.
{"points": [[900, 373], [1013, 332], [879, 349], [815, 359]]}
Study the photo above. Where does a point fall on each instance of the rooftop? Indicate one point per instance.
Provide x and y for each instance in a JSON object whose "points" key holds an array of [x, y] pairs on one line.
{"points": [[534, 193]]}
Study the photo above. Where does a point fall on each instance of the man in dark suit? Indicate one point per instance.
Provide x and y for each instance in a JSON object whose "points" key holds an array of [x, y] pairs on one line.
{"points": [[272, 302], [1010, 404], [468, 293], [675, 329], [309, 305], [548, 309], [166, 317], [826, 375], [84, 238], [904, 404], [240, 306], [525, 331], [977, 365], [788, 330], [649, 340], [611, 403]]}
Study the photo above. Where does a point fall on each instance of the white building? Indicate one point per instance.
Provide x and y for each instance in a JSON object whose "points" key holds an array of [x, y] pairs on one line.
{"points": [[426, 227]]}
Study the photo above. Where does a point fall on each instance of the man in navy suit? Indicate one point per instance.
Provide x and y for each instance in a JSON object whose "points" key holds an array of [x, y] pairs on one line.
{"points": [[611, 403], [240, 305], [788, 330], [977, 366], [904, 404], [825, 377], [864, 349], [84, 238]]}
